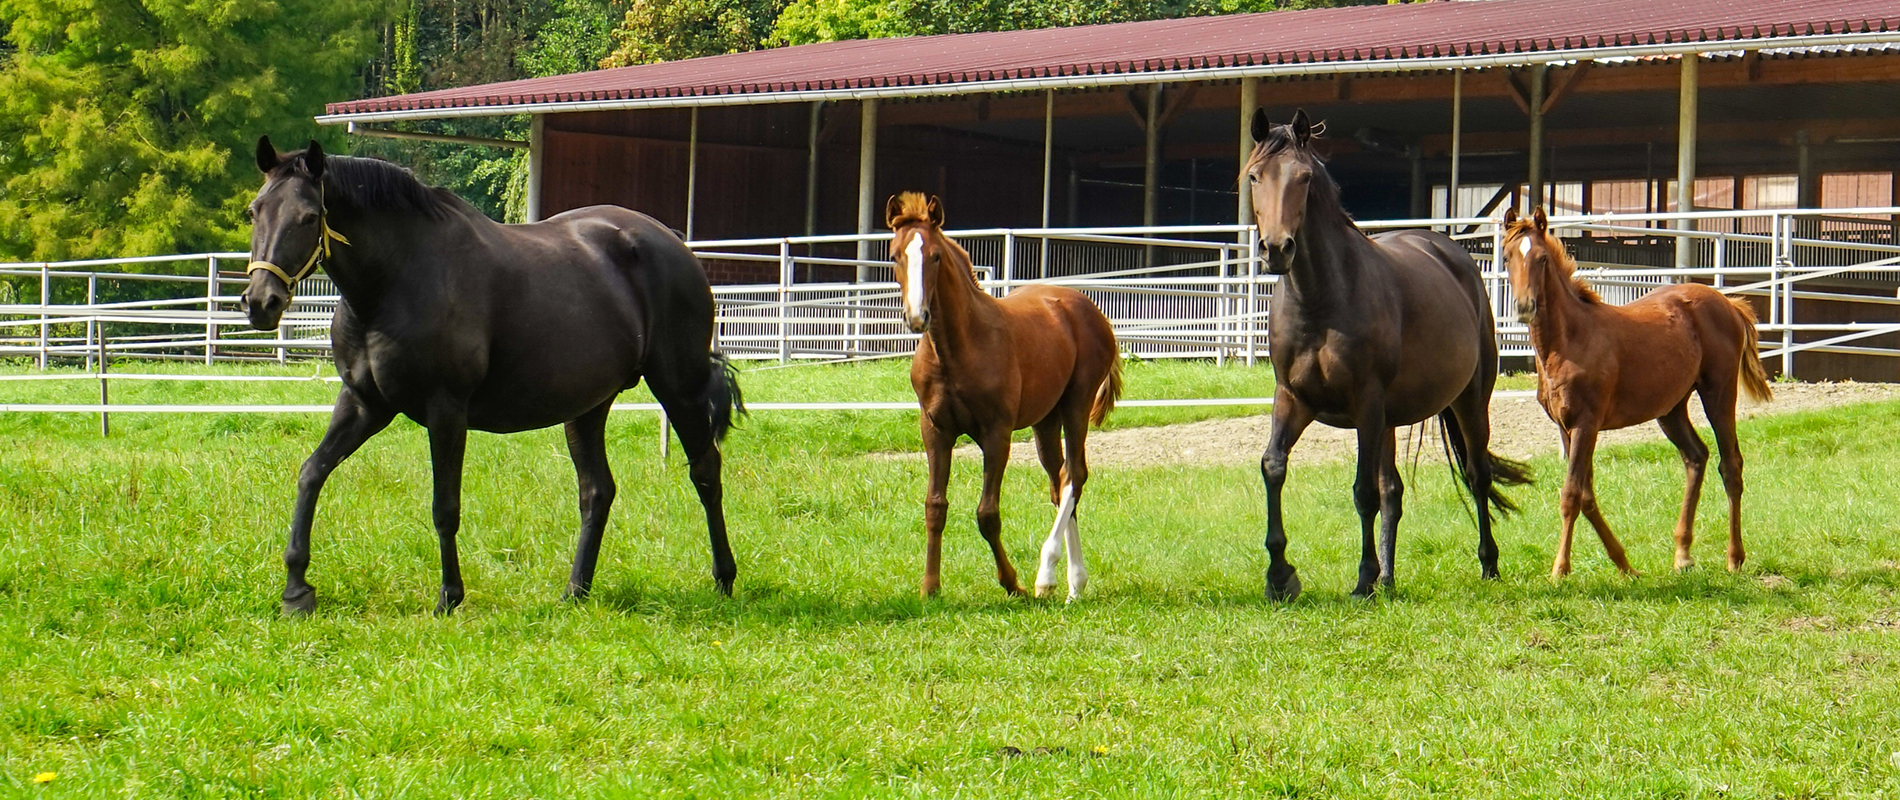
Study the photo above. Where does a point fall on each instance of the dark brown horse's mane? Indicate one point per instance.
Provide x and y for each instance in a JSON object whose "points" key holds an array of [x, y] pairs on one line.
{"points": [[375, 185], [1525, 226], [1280, 137]]}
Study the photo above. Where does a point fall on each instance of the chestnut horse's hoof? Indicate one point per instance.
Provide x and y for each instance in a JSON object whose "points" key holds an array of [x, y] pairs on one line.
{"points": [[1287, 591], [302, 604]]}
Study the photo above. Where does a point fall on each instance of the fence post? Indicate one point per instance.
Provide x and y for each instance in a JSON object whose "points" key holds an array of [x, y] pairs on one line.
{"points": [[46, 300], [666, 429], [92, 321], [1787, 299], [211, 307], [1253, 296], [1721, 259], [1223, 312], [784, 296], [1493, 286], [105, 399], [1009, 261]]}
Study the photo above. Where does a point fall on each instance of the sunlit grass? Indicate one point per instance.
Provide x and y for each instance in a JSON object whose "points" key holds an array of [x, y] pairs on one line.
{"points": [[142, 653]]}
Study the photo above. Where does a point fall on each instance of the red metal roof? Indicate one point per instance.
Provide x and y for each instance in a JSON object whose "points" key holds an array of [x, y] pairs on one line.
{"points": [[1314, 37]]}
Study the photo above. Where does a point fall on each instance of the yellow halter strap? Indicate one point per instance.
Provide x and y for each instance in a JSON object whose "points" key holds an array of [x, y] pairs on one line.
{"points": [[317, 254]]}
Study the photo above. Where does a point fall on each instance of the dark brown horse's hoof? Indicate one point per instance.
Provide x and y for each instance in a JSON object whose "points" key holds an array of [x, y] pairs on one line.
{"points": [[1491, 572], [301, 605], [575, 594], [724, 587], [1286, 592]]}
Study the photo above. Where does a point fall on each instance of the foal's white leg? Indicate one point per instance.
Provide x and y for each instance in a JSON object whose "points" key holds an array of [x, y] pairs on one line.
{"points": [[1072, 542], [1053, 546]]}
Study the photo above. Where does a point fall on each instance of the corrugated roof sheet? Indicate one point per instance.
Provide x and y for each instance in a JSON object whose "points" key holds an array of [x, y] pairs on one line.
{"points": [[1353, 34]]}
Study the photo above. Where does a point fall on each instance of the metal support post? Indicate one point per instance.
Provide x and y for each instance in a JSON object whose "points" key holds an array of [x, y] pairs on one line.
{"points": [[692, 171], [46, 302], [784, 298], [211, 308], [1685, 157]]}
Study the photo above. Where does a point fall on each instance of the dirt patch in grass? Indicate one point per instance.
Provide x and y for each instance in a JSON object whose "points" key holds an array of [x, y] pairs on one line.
{"points": [[1519, 429]]}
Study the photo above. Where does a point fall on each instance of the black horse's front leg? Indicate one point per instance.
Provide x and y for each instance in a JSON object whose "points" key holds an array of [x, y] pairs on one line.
{"points": [[1290, 418], [448, 439], [1373, 435], [351, 423]]}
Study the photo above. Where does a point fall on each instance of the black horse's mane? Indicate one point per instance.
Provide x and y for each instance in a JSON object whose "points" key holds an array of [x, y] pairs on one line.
{"points": [[374, 185]]}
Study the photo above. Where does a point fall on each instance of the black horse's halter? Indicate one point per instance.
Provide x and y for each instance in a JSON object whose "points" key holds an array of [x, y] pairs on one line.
{"points": [[318, 254]]}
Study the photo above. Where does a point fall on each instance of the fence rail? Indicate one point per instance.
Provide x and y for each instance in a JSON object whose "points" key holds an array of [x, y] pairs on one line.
{"points": [[1171, 291]]}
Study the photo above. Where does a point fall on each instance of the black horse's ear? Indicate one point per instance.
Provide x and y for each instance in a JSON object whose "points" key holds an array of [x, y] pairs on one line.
{"points": [[1260, 125], [892, 208], [934, 210], [1538, 219], [313, 159], [1510, 216], [1302, 127], [267, 158]]}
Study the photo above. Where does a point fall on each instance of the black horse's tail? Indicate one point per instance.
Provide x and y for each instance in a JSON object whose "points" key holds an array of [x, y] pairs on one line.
{"points": [[723, 396], [1504, 471]]}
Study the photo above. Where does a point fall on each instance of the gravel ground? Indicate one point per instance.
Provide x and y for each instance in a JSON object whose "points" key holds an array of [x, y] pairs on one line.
{"points": [[1519, 429]]}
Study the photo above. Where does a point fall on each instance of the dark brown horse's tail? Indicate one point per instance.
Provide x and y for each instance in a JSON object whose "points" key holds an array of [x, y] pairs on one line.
{"points": [[1504, 471], [1110, 391], [723, 396], [1754, 378]]}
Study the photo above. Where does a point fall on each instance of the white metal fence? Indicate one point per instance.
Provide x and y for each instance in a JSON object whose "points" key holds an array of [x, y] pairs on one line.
{"points": [[1181, 291]]}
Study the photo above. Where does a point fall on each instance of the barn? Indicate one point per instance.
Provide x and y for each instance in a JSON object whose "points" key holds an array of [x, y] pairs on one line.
{"points": [[1436, 110]]}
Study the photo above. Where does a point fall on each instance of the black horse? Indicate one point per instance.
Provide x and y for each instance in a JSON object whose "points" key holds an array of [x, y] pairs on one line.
{"points": [[1371, 334], [459, 322]]}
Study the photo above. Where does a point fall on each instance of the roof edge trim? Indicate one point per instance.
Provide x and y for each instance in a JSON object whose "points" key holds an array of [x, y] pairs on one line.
{"points": [[1504, 59]]}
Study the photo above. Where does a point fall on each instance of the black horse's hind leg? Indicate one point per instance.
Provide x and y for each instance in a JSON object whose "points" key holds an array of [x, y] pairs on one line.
{"points": [[587, 445], [1290, 418], [448, 439], [1373, 434], [1472, 410], [686, 408], [351, 424]]}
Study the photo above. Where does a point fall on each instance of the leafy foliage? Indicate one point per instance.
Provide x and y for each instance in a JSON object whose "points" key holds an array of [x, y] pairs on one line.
{"points": [[669, 30], [808, 21], [123, 124]]}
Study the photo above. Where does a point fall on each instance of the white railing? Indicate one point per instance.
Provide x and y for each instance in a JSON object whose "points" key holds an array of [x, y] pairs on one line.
{"points": [[1172, 291]]}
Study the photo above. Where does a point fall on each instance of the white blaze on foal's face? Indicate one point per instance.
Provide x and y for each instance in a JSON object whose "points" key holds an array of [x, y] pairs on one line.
{"points": [[915, 312]]}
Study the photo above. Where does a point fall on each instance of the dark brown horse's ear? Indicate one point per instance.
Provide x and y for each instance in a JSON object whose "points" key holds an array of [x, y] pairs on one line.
{"points": [[1510, 215], [1538, 219], [267, 158], [313, 159], [892, 208], [1302, 127], [934, 210], [1261, 127]]}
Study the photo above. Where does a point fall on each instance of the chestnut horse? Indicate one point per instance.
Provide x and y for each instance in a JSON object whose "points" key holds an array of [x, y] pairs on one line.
{"points": [[1370, 334], [1601, 367], [1044, 358]]}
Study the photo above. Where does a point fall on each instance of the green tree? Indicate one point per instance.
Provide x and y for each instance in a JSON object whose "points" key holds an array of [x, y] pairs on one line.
{"points": [[807, 21], [126, 126], [670, 30]]}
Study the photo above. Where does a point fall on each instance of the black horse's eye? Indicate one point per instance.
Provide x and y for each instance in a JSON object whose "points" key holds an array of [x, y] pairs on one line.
{"points": [[307, 218]]}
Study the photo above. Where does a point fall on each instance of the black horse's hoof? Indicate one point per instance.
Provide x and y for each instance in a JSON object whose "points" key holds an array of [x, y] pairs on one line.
{"points": [[1491, 572], [575, 594], [445, 605], [302, 604], [725, 587], [1286, 591]]}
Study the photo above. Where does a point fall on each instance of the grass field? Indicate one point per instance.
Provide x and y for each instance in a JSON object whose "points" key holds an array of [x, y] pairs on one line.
{"points": [[142, 653]]}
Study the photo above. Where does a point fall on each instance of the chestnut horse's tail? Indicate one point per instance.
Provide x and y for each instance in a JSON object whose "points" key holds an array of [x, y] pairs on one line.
{"points": [[1504, 471], [1754, 379], [1110, 391]]}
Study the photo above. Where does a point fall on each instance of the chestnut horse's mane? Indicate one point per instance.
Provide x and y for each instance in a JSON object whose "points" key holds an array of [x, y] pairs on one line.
{"points": [[913, 208], [1525, 226]]}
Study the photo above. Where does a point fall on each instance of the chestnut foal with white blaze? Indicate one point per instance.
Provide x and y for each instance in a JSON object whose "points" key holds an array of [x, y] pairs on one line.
{"points": [[1601, 367], [1044, 357]]}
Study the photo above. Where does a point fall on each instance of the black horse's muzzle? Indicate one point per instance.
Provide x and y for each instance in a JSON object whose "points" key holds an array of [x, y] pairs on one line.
{"points": [[264, 301]]}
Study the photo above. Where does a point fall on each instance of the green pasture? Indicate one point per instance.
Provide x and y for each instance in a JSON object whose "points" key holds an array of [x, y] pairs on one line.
{"points": [[142, 653]]}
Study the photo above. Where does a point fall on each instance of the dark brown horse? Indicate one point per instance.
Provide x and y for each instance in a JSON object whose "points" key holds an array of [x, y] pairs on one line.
{"points": [[1044, 358], [461, 323], [1601, 367], [1370, 334]]}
